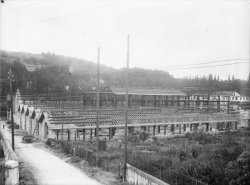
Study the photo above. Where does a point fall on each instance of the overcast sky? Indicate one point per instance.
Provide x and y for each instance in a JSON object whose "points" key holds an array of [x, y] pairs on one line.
{"points": [[162, 33]]}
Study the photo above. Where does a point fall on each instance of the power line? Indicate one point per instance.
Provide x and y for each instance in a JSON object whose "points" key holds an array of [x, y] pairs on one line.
{"points": [[208, 66], [216, 61]]}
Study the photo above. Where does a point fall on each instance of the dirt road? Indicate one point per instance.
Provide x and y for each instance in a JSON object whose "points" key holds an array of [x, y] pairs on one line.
{"points": [[47, 168]]}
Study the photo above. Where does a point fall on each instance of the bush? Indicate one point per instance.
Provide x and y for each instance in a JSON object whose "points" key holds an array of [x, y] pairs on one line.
{"points": [[66, 147]]}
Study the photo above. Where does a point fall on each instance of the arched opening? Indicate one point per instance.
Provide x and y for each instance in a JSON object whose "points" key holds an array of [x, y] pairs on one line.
{"points": [[46, 130]]}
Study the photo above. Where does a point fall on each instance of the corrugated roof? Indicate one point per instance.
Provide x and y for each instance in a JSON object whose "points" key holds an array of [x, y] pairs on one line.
{"points": [[149, 92]]}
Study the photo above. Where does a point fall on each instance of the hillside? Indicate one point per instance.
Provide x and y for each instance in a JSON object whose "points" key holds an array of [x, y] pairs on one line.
{"points": [[49, 73]]}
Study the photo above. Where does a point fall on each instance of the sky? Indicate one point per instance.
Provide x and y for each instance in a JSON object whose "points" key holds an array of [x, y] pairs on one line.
{"points": [[163, 33]]}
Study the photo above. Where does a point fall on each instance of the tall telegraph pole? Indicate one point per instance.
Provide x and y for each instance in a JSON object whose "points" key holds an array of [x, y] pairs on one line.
{"points": [[11, 108], [126, 115], [97, 105]]}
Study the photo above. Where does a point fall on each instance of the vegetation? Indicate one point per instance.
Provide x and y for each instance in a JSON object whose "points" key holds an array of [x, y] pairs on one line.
{"points": [[223, 158], [213, 159], [52, 73], [49, 73]]}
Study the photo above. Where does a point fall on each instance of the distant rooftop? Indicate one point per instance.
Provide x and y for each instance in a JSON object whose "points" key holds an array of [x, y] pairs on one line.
{"points": [[149, 92], [225, 93]]}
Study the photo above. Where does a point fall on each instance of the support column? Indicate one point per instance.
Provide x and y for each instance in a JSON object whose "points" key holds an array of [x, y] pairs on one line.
{"points": [[198, 101], [166, 101], [178, 100], [218, 104], [208, 102], [115, 101], [68, 134], [142, 101], [110, 133], [172, 128], [132, 130], [91, 134], [83, 135], [129, 100], [75, 135], [228, 104], [236, 125], [191, 127], [113, 131], [154, 100], [154, 130], [184, 127], [185, 101], [165, 129], [207, 127], [180, 129], [57, 135], [159, 129]]}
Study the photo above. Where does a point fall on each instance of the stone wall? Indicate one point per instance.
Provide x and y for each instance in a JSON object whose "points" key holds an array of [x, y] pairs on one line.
{"points": [[138, 177], [8, 152], [11, 166]]}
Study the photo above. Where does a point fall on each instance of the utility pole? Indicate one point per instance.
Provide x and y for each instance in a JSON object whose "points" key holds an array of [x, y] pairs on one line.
{"points": [[11, 108], [97, 105], [126, 116]]}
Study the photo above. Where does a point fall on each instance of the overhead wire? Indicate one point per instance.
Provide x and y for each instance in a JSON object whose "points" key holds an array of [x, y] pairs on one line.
{"points": [[195, 64]]}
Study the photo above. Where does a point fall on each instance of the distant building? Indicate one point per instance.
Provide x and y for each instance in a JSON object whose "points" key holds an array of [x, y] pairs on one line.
{"points": [[232, 96]]}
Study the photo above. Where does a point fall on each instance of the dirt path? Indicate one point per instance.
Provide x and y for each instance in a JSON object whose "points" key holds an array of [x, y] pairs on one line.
{"points": [[47, 168]]}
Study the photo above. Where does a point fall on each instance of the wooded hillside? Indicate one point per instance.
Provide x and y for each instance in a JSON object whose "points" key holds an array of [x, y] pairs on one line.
{"points": [[49, 73]]}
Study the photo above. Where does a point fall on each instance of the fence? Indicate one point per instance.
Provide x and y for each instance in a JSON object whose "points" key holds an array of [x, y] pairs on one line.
{"points": [[163, 174]]}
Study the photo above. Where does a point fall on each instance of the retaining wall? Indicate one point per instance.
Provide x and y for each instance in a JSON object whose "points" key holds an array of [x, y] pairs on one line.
{"points": [[11, 163]]}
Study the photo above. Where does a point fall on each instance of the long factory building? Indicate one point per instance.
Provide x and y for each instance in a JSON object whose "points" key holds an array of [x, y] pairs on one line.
{"points": [[157, 112]]}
